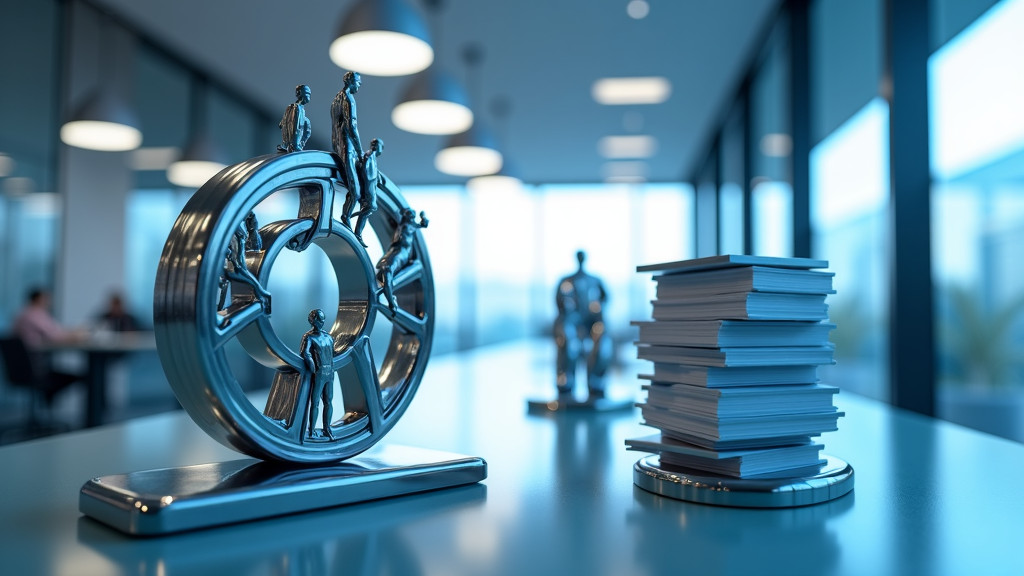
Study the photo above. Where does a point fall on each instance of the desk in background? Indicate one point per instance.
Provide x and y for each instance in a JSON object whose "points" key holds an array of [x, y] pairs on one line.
{"points": [[930, 498], [100, 349]]}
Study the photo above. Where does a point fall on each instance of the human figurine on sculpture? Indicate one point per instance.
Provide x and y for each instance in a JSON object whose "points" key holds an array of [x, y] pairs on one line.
{"points": [[580, 300], [345, 140], [317, 350], [399, 254], [236, 269], [294, 125], [369, 178], [254, 242]]}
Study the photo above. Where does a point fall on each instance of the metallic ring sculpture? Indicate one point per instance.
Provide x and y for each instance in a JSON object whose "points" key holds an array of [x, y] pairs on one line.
{"points": [[192, 327]]}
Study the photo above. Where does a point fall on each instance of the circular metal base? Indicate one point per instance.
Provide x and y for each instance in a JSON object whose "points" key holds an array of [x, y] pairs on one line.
{"points": [[834, 480]]}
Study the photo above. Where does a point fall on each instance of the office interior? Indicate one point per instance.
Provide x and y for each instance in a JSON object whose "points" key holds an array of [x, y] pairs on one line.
{"points": [[883, 136]]}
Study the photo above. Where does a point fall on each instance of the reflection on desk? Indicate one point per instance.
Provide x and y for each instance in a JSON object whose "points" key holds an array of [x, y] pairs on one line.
{"points": [[930, 498], [100, 348]]}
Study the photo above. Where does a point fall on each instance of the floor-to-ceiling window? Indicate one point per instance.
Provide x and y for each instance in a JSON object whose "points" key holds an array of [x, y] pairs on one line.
{"points": [[771, 182], [29, 208], [849, 186], [976, 90]]}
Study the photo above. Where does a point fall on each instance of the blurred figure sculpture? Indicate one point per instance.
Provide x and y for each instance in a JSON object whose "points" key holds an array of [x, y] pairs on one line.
{"points": [[580, 332]]}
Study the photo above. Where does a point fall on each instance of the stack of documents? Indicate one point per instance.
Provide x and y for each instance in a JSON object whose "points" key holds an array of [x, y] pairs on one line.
{"points": [[735, 343]]}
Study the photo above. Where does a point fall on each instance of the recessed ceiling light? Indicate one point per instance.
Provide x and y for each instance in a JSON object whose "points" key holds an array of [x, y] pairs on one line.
{"points": [[624, 171], [19, 185], [640, 146], [499, 183], [636, 90], [154, 157], [6, 165], [638, 9], [776, 145]]}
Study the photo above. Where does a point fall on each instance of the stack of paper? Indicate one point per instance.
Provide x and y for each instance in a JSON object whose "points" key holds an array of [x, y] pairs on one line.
{"points": [[735, 343]]}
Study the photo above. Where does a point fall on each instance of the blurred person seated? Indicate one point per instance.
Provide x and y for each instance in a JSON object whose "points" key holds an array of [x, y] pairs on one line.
{"points": [[116, 317], [26, 355], [37, 328]]}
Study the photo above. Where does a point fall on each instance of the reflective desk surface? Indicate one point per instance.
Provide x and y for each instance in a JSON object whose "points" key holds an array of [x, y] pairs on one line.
{"points": [[930, 498]]}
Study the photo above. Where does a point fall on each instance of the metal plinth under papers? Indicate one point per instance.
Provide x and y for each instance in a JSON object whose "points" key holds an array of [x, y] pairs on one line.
{"points": [[834, 480]]}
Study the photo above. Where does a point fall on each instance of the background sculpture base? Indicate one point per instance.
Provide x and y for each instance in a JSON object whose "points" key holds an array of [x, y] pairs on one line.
{"points": [[834, 480], [163, 501], [589, 405]]}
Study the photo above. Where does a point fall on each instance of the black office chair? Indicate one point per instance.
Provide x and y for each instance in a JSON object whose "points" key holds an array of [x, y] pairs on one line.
{"points": [[24, 368]]}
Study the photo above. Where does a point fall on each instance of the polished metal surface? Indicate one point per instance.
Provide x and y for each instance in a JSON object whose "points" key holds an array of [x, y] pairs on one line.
{"points": [[167, 500], [563, 404], [931, 497], [193, 326], [834, 480]]}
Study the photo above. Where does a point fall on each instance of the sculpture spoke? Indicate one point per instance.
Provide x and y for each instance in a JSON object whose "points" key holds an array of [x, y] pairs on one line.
{"points": [[236, 321], [409, 323], [316, 203], [409, 274], [363, 395]]}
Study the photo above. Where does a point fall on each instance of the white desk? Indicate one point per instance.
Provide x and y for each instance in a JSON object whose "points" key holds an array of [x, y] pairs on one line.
{"points": [[99, 350], [930, 498]]}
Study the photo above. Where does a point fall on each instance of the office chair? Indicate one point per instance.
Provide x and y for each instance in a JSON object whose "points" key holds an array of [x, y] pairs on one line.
{"points": [[30, 370]]}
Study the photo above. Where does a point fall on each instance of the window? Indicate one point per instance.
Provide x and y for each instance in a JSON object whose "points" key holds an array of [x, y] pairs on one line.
{"points": [[977, 154]]}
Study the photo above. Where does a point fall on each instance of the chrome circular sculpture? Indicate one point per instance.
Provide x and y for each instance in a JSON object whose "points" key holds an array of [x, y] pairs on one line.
{"points": [[210, 289]]}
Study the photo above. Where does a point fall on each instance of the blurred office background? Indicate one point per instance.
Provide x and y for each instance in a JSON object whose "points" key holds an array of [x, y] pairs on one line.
{"points": [[885, 136]]}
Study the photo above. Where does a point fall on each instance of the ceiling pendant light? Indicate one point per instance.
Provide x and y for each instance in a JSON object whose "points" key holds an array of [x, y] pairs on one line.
{"points": [[103, 121], [382, 38], [201, 159], [470, 153], [434, 103], [506, 180]]}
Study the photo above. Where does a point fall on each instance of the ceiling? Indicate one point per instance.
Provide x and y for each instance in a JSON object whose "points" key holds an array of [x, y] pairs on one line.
{"points": [[542, 55]]}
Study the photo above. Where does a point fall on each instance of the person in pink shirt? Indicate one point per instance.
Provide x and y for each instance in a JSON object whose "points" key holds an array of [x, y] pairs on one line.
{"points": [[36, 326]]}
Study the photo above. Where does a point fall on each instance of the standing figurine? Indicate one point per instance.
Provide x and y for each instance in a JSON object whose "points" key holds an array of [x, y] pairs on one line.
{"points": [[399, 254], [317, 350], [345, 140], [369, 178], [580, 300], [295, 127]]}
